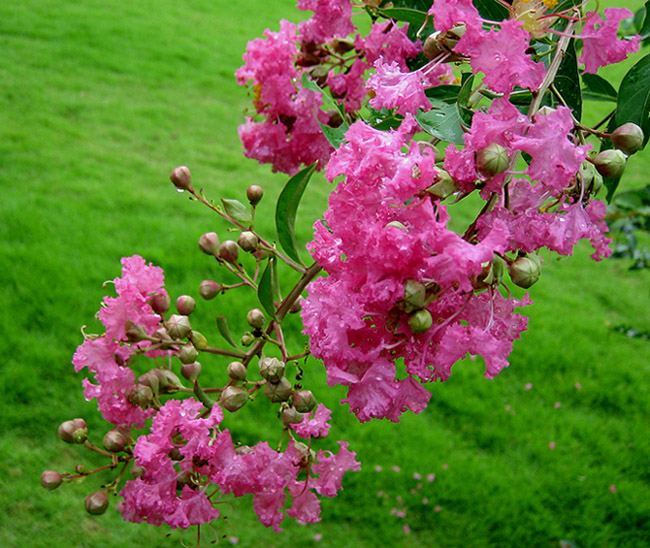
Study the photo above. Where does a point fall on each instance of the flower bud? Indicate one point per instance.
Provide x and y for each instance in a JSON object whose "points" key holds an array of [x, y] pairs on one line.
{"points": [[342, 45], [115, 440], [255, 318], [191, 371], [178, 326], [229, 251], [291, 416], [169, 383], [160, 302], [138, 471], [628, 138], [185, 305], [51, 479], [97, 503], [233, 398], [525, 271], [597, 184], [254, 194], [304, 401], [444, 186], [420, 321], [198, 340], [432, 46], [237, 371], [134, 332], [492, 273], [151, 380], [278, 391], [415, 295], [209, 289], [182, 178], [587, 173], [247, 339], [610, 163], [295, 308], [271, 369], [248, 241], [188, 354], [140, 395], [209, 243], [73, 431], [492, 160]]}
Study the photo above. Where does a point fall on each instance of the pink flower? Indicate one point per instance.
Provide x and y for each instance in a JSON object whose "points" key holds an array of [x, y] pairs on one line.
{"points": [[601, 45], [448, 13], [314, 424], [331, 19], [501, 56], [331, 468], [388, 42], [396, 89], [349, 85]]}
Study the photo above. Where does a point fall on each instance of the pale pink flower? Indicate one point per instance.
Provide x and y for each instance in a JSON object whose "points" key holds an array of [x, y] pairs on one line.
{"points": [[331, 19], [448, 13], [397, 89], [389, 42]]}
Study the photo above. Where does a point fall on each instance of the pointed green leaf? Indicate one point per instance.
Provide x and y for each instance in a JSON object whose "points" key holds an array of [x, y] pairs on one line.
{"points": [[567, 81], [287, 207], [334, 135], [224, 330], [596, 88], [634, 97], [464, 96], [442, 121], [446, 92], [267, 290], [491, 9], [414, 17], [237, 211], [308, 83]]}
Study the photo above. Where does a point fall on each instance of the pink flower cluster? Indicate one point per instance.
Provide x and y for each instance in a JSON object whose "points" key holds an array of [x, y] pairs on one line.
{"points": [[189, 463], [107, 356]]}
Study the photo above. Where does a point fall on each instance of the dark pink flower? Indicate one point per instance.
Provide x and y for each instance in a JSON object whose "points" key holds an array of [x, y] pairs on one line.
{"points": [[315, 424], [331, 19], [601, 45], [396, 89]]}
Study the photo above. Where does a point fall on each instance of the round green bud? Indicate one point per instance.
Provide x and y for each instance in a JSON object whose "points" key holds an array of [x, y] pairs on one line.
{"points": [[432, 46], [160, 303], [51, 479], [140, 395], [187, 353], [525, 271], [271, 369], [492, 160], [169, 383], [209, 289], [97, 503], [415, 295], [185, 305], [292, 416], [278, 391], [247, 339], [209, 243], [182, 178], [198, 340], [304, 401], [73, 431], [178, 326], [444, 186], [248, 241], [134, 332], [115, 440], [255, 318], [237, 371], [233, 398], [628, 138], [254, 194], [420, 321], [191, 371], [610, 163], [229, 251]]}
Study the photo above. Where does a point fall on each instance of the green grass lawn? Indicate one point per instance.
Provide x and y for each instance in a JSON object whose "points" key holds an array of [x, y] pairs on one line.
{"points": [[99, 100]]}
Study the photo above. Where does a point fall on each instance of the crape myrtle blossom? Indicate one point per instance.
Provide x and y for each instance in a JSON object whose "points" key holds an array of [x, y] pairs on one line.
{"points": [[331, 19], [185, 456], [380, 233], [600, 45]]}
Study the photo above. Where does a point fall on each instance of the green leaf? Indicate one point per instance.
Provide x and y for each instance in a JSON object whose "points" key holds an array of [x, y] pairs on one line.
{"points": [[491, 9], [308, 83], [334, 135], [597, 88], [237, 211], [446, 93], [567, 81], [267, 290], [414, 17], [464, 96], [634, 97], [287, 207], [224, 330], [644, 30], [442, 121]]}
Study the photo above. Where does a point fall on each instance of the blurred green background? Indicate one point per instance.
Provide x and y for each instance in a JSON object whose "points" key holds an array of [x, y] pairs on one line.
{"points": [[99, 100]]}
